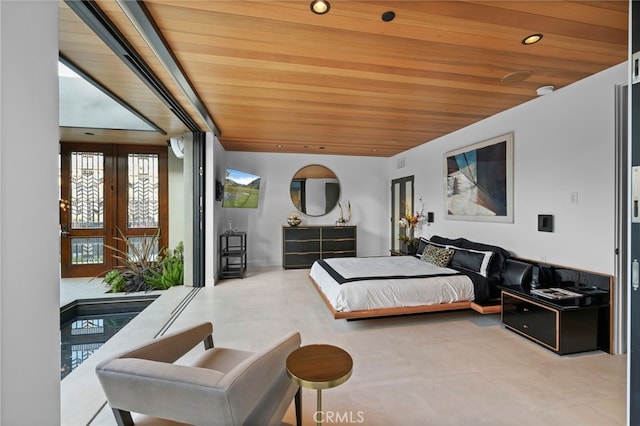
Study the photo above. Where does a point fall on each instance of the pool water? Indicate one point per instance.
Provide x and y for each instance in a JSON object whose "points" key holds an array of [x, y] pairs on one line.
{"points": [[85, 325]]}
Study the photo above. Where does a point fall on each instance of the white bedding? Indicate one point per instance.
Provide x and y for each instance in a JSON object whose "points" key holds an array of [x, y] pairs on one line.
{"points": [[389, 293]]}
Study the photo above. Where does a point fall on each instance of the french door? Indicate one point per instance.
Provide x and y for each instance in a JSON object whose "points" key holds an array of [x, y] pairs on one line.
{"points": [[104, 190], [401, 203]]}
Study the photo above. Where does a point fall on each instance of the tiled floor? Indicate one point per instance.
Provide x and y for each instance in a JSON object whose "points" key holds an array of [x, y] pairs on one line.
{"points": [[456, 368]]}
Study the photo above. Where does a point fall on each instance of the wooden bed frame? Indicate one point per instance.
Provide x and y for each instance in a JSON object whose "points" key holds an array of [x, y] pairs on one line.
{"points": [[492, 307], [385, 312]]}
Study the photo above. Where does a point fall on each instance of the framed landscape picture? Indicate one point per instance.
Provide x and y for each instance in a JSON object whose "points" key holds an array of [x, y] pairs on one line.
{"points": [[479, 181]]}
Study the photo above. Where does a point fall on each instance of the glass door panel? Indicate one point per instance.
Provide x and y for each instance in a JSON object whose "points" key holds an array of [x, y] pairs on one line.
{"points": [[142, 183], [395, 215], [401, 203], [84, 221], [87, 206], [144, 210]]}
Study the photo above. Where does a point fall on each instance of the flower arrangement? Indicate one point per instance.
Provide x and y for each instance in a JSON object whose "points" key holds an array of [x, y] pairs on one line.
{"points": [[410, 221]]}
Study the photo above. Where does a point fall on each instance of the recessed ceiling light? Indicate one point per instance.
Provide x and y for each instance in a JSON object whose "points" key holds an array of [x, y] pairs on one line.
{"points": [[89, 134], [279, 145], [532, 39], [388, 16], [320, 7], [544, 90], [516, 76]]}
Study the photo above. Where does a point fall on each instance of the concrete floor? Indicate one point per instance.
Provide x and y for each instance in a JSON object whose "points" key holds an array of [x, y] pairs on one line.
{"points": [[452, 368]]}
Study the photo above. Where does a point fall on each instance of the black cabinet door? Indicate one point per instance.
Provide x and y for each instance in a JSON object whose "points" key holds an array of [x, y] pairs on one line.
{"points": [[532, 320]]}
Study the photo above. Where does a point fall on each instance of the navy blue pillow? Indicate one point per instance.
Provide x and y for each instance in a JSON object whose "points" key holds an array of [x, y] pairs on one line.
{"points": [[446, 241], [422, 244], [497, 261], [467, 260]]}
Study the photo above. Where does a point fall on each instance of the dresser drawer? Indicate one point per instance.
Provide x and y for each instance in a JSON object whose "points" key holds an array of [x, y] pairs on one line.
{"points": [[300, 246], [338, 245], [533, 320], [339, 232], [329, 255], [295, 233], [300, 260]]}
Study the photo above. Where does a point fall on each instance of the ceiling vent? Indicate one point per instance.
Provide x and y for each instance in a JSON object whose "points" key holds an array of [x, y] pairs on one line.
{"points": [[400, 163]]}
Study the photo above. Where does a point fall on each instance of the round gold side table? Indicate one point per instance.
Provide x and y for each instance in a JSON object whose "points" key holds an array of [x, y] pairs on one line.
{"points": [[319, 367]]}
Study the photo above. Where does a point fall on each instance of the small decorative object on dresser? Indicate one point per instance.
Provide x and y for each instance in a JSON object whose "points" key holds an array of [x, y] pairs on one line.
{"points": [[344, 221], [294, 219]]}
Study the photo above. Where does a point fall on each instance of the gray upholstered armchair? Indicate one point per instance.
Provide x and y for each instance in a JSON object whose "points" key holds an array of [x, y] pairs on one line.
{"points": [[222, 387]]}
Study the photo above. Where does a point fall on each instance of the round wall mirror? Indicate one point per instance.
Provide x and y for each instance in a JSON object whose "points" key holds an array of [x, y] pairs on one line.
{"points": [[314, 190]]}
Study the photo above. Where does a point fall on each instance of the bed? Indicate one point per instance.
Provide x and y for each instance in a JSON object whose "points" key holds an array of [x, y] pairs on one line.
{"points": [[462, 274]]}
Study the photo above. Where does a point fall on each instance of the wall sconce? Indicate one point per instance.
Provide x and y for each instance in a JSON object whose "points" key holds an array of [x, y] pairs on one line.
{"points": [[177, 146], [320, 7]]}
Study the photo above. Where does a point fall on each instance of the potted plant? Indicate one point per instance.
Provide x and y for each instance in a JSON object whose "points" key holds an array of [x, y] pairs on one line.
{"points": [[408, 239], [142, 268]]}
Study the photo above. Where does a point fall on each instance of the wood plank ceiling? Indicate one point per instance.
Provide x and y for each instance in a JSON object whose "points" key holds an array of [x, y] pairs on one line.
{"points": [[277, 78]]}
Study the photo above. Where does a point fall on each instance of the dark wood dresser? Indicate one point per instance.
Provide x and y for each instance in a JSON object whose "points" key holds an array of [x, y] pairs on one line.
{"points": [[303, 245]]}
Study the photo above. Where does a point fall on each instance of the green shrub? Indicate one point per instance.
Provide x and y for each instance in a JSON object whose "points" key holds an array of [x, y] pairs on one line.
{"points": [[115, 281], [141, 269], [170, 269]]}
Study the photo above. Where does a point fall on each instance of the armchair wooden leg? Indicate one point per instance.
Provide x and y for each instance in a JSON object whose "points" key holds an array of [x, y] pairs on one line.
{"points": [[123, 418], [298, 404], [208, 342]]}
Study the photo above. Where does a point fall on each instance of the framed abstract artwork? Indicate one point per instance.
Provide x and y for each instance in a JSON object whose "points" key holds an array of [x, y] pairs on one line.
{"points": [[479, 181]]}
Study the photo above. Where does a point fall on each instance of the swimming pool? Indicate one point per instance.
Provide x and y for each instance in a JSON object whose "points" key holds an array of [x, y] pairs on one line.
{"points": [[85, 325]]}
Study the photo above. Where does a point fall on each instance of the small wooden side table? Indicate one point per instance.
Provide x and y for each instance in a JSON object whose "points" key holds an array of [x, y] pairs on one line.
{"points": [[319, 367]]}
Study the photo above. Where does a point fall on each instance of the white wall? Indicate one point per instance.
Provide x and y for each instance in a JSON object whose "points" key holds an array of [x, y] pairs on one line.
{"points": [[361, 182], [563, 143], [215, 156], [177, 218], [29, 266]]}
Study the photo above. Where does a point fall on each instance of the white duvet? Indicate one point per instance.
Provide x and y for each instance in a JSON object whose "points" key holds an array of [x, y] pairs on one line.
{"points": [[389, 292]]}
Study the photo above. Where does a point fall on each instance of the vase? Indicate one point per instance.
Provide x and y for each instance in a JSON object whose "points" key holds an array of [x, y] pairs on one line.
{"points": [[411, 249], [294, 221]]}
